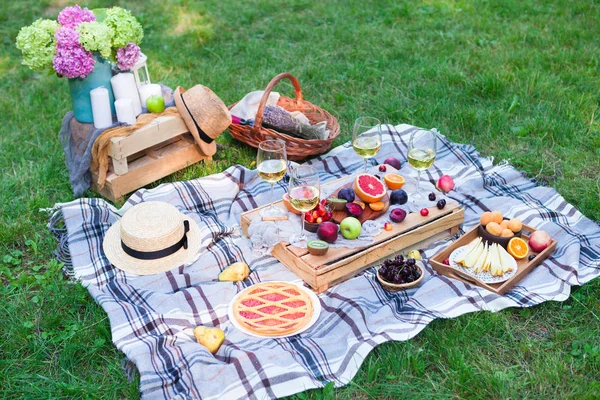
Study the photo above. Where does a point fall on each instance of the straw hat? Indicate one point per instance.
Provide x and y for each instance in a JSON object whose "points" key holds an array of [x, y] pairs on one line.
{"points": [[151, 237], [205, 115]]}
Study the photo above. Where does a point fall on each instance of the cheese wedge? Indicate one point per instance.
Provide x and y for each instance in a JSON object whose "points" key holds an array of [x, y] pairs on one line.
{"points": [[506, 259], [470, 247], [473, 256], [478, 267]]}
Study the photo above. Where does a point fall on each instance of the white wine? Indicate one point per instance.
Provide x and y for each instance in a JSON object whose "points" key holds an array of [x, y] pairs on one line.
{"points": [[366, 146], [421, 159], [272, 170], [304, 198]]}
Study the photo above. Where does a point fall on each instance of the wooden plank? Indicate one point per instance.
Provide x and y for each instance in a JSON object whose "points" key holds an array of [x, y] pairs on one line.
{"points": [[146, 170], [403, 240], [351, 269], [306, 273], [159, 130], [120, 166], [412, 221]]}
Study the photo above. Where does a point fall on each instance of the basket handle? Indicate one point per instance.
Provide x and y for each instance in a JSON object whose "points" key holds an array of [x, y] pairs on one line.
{"points": [[263, 102]]}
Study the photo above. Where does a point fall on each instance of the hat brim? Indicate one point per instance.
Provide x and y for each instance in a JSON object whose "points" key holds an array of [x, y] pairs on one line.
{"points": [[208, 149], [117, 256]]}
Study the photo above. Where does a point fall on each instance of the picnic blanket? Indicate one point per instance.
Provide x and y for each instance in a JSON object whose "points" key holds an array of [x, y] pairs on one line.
{"points": [[150, 316]]}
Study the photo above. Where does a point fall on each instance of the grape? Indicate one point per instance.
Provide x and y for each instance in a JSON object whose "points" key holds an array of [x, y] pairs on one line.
{"points": [[411, 261], [431, 196]]}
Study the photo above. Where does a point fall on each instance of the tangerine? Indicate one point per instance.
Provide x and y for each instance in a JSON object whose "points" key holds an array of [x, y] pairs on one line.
{"points": [[493, 228], [515, 225], [496, 216], [517, 248], [377, 206], [507, 233], [485, 218], [394, 181], [368, 188]]}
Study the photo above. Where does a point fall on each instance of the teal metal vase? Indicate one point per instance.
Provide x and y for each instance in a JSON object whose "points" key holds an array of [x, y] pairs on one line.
{"points": [[80, 90]]}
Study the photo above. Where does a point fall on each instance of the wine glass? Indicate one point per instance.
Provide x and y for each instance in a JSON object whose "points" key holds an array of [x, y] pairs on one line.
{"points": [[303, 191], [421, 153], [271, 161], [366, 137]]}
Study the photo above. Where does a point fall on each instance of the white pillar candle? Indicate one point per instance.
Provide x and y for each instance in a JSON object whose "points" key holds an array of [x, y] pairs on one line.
{"points": [[124, 87], [101, 107], [125, 111], [146, 91]]}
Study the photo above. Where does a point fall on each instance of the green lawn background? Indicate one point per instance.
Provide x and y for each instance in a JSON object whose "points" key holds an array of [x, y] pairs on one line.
{"points": [[518, 79]]}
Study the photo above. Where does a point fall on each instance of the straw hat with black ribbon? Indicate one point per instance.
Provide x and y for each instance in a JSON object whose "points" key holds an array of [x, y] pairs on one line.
{"points": [[152, 237], [205, 115]]}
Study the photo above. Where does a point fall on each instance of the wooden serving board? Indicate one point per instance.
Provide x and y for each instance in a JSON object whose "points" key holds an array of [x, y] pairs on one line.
{"points": [[367, 214], [524, 266], [340, 264]]}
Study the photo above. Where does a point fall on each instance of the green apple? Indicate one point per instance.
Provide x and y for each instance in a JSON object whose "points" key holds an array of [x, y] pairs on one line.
{"points": [[350, 228], [155, 104]]}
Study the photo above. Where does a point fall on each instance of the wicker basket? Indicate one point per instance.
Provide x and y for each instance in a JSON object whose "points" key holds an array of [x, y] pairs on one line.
{"points": [[297, 149]]}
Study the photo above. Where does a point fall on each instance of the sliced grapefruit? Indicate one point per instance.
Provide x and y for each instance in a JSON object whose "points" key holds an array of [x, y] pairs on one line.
{"points": [[368, 188], [288, 205]]}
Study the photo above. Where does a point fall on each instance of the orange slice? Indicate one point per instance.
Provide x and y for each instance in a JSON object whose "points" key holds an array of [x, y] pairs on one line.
{"points": [[377, 206], [517, 248], [394, 181]]}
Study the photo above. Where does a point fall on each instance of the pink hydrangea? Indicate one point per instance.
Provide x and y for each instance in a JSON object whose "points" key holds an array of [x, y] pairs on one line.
{"points": [[70, 17], [73, 62], [127, 56], [66, 38]]}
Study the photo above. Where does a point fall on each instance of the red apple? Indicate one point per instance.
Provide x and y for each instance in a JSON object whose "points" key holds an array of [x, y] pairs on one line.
{"points": [[539, 240], [328, 231]]}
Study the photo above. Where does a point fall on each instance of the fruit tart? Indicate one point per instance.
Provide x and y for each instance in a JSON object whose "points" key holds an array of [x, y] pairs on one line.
{"points": [[273, 309]]}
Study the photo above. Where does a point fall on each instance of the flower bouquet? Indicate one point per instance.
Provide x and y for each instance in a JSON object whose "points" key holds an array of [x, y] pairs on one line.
{"points": [[83, 45]]}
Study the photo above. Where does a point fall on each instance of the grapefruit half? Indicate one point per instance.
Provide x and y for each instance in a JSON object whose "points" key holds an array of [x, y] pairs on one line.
{"points": [[368, 188]]}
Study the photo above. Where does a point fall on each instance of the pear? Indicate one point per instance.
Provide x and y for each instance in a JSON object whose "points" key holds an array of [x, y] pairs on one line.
{"points": [[496, 264], [473, 256], [211, 338], [470, 247], [506, 259], [235, 272], [481, 260]]}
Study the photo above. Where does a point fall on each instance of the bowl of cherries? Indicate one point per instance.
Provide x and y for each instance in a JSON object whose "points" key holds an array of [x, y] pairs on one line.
{"points": [[321, 213], [400, 273]]}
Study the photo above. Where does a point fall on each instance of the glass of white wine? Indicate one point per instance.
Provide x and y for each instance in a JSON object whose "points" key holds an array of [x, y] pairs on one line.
{"points": [[366, 137], [421, 153], [304, 191], [271, 161]]}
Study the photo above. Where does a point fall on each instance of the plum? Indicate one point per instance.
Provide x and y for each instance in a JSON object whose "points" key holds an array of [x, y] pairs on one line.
{"points": [[397, 215], [394, 162], [398, 196], [354, 209], [347, 194]]}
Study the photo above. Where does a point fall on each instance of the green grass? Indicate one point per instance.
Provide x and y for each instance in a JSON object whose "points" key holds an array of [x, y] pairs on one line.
{"points": [[519, 79]]}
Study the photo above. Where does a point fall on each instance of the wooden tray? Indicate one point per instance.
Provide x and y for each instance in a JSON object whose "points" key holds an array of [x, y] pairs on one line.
{"points": [[523, 266], [340, 264]]}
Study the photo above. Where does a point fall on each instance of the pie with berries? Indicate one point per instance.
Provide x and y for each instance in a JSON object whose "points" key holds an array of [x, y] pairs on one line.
{"points": [[273, 308]]}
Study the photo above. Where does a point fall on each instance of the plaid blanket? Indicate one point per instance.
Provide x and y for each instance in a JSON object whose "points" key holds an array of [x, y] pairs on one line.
{"points": [[151, 316]]}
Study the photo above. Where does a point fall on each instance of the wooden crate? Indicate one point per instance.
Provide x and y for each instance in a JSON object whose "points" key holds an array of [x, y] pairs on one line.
{"points": [[524, 266], [340, 264], [148, 154]]}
